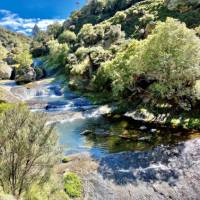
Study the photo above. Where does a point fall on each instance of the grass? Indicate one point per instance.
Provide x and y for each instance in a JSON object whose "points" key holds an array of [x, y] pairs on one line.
{"points": [[5, 106], [72, 185]]}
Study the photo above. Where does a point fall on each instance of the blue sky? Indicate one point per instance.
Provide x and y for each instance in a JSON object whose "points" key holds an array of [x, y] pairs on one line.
{"points": [[21, 15]]}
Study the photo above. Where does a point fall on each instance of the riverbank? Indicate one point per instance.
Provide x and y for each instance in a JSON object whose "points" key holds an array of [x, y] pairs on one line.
{"points": [[141, 110]]}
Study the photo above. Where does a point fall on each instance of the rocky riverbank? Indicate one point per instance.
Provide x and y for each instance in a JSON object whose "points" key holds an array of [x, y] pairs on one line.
{"points": [[166, 172]]}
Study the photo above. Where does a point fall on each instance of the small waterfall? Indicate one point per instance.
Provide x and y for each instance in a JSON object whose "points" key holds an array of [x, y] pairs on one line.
{"points": [[39, 92], [99, 111]]}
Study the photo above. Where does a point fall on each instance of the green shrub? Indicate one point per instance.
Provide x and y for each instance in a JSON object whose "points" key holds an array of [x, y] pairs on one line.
{"points": [[57, 54], [171, 57], [66, 160], [24, 58], [67, 37], [3, 52], [73, 185], [31, 147], [194, 123], [5, 106]]}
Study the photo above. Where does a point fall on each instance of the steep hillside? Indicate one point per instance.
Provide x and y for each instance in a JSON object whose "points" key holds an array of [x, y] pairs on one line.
{"points": [[95, 12], [10, 39], [137, 50]]}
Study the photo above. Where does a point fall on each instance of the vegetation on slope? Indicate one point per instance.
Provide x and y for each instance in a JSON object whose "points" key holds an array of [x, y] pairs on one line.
{"points": [[137, 53]]}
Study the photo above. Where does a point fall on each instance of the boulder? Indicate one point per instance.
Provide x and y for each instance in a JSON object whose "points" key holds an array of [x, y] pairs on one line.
{"points": [[87, 132], [5, 71], [10, 59], [25, 75]]}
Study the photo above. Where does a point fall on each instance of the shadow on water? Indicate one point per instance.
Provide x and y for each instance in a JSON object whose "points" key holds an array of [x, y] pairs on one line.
{"points": [[148, 166]]}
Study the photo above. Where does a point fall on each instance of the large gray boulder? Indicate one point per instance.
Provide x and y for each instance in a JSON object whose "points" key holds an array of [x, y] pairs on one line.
{"points": [[25, 75], [5, 71]]}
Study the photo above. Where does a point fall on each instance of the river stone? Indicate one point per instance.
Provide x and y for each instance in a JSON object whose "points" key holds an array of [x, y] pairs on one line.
{"points": [[87, 132], [5, 71], [79, 102], [164, 173], [25, 75]]}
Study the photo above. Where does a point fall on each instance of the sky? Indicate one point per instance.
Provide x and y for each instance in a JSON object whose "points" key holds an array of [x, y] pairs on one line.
{"points": [[21, 15]]}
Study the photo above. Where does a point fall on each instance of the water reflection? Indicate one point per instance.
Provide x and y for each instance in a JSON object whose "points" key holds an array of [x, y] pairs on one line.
{"points": [[112, 137]]}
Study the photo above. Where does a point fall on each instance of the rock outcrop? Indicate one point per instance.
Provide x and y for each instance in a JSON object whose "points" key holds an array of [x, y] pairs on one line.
{"points": [[5, 71], [164, 173], [25, 75], [7, 96]]}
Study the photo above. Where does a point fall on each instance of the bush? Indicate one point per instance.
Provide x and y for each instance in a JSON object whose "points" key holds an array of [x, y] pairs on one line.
{"points": [[67, 37], [3, 52], [24, 58], [171, 57], [73, 185], [50, 190], [5, 106], [31, 148]]}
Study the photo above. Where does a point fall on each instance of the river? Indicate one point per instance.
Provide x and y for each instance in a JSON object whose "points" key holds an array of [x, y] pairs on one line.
{"points": [[74, 114], [154, 164]]}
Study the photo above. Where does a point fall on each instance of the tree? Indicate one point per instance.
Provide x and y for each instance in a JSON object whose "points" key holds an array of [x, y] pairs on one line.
{"points": [[67, 37], [54, 29], [24, 58], [182, 5], [57, 53], [171, 57], [87, 35], [28, 150], [167, 62]]}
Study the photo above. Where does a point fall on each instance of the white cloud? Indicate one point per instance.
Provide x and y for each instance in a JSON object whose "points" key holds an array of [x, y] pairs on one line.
{"points": [[23, 25]]}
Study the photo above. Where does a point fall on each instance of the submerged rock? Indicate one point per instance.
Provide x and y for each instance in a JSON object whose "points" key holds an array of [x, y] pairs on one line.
{"points": [[87, 132], [143, 128]]}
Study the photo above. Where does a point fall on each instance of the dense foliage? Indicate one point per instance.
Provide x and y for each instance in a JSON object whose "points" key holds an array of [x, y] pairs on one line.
{"points": [[166, 63], [27, 151]]}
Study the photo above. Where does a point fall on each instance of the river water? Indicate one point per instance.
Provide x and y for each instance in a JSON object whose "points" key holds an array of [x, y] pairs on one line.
{"points": [[73, 114]]}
